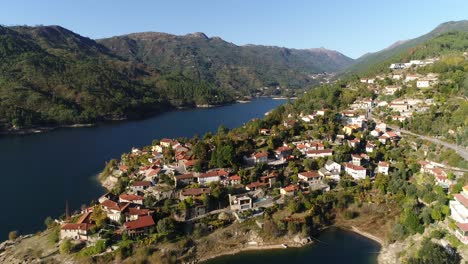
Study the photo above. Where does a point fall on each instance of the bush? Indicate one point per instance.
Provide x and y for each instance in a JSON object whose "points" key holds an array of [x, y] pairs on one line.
{"points": [[349, 214], [66, 247], [12, 235]]}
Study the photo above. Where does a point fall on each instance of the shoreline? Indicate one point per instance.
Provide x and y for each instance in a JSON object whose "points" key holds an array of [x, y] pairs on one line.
{"points": [[353, 229], [366, 234], [45, 129], [249, 248]]}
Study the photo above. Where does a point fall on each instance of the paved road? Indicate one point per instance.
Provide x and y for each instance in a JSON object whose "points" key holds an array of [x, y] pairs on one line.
{"points": [[462, 151]]}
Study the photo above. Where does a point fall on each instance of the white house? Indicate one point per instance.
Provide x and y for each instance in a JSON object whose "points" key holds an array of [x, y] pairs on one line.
{"points": [[310, 176], [131, 198], [383, 167], [356, 159], [320, 153], [332, 166], [459, 213], [370, 147], [211, 176], [356, 171]]}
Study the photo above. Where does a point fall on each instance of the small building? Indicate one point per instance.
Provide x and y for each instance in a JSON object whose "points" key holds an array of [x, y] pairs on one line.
{"points": [[459, 213], [319, 153], [383, 167], [211, 176], [265, 131], [370, 147], [139, 186], [184, 179], [193, 193], [333, 167], [131, 198], [260, 157], [138, 226], [311, 177], [240, 202], [355, 171], [289, 190], [356, 159], [283, 152]]}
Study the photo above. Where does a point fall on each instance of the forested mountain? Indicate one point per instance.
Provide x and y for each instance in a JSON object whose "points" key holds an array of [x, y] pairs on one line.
{"points": [[53, 76], [225, 64], [367, 61]]}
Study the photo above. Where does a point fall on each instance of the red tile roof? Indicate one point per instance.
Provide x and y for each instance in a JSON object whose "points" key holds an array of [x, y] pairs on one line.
{"points": [[291, 188], [141, 183], [109, 204], [310, 174], [256, 184], [354, 167], [184, 176], [141, 222], [70, 226], [463, 227], [235, 178], [462, 199], [130, 197], [383, 164], [283, 149], [261, 155], [213, 173], [138, 211]]}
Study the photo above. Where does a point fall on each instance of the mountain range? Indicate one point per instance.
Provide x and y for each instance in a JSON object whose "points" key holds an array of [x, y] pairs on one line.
{"points": [[53, 76]]}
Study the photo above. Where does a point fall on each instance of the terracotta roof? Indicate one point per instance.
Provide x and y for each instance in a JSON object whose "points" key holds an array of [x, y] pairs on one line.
{"points": [[138, 211], [291, 188], [85, 218], [310, 174], [195, 191], [141, 183], [189, 163], [462, 199], [260, 155], [283, 149], [354, 167], [166, 140], [70, 226], [383, 164], [235, 178], [463, 227], [141, 222], [115, 206], [255, 184], [213, 173], [184, 176], [130, 197]]}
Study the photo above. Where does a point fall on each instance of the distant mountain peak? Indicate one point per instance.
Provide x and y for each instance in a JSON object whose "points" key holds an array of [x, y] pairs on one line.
{"points": [[197, 35]]}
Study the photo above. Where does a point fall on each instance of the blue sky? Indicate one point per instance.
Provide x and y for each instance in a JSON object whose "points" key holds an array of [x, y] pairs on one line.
{"points": [[352, 27]]}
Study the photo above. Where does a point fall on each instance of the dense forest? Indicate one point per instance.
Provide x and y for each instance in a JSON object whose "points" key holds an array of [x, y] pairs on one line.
{"points": [[51, 76]]}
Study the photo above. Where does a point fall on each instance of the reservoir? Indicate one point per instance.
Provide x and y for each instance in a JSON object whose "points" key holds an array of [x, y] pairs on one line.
{"points": [[39, 173], [332, 246]]}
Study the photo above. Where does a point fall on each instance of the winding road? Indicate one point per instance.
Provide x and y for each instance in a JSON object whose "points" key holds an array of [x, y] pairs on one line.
{"points": [[462, 151]]}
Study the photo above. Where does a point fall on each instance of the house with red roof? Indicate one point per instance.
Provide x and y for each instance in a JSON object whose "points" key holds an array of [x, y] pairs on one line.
{"points": [[131, 198], [310, 176], [193, 193], [139, 186], [255, 185], [459, 213], [138, 226], [283, 152], [355, 171], [79, 230], [184, 179], [383, 167], [113, 209], [321, 153], [289, 190], [211, 176]]}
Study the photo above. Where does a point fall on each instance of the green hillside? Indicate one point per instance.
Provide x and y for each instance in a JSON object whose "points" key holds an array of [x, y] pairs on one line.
{"points": [[368, 61], [226, 65]]}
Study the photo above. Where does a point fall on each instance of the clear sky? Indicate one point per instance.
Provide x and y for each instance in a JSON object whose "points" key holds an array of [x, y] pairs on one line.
{"points": [[352, 27]]}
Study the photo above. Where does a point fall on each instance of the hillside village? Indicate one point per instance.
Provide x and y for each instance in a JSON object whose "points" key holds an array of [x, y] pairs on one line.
{"points": [[300, 168]]}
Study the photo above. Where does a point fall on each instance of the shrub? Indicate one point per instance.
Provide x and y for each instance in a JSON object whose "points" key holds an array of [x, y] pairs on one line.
{"points": [[12, 235]]}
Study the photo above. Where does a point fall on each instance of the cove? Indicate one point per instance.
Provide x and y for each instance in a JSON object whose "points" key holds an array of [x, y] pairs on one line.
{"points": [[40, 172], [332, 246]]}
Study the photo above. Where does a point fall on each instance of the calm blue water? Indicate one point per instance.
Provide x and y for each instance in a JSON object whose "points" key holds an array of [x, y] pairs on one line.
{"points": [[333, 246], [40, 172]]}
